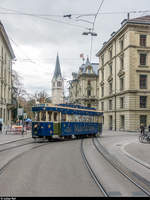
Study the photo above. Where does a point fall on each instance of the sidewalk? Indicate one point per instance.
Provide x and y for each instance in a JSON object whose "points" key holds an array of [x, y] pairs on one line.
{"points": [[132, 148], [13, 137]]}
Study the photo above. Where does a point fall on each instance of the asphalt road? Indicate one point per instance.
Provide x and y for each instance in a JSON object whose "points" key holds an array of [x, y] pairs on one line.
{"points": [[55, 169]]}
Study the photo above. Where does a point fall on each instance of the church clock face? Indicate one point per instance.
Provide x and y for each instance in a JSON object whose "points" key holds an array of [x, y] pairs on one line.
{"points": [[59, 84]]}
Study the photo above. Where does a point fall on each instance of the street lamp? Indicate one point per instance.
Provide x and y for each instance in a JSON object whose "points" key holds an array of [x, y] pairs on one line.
{"points": [[87, 33], [92, 34]]}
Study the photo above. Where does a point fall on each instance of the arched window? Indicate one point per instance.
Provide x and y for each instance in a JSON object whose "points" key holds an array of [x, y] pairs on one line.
{"points": [[88, 92]]}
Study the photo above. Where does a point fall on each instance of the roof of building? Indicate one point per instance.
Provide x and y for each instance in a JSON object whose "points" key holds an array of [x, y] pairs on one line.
{"points": [[57, 72], [139, 20], [144, 19], [4, 34], [83, 67]]}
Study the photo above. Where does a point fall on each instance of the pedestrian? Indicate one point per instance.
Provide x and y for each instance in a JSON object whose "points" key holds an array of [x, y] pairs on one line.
{"points": [[149, 128], [142, 129], [0, 126]]}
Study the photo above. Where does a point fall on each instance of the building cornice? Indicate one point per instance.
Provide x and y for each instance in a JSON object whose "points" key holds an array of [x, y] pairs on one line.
{"points": [[120, 30], [6, 39], [125, 92]]}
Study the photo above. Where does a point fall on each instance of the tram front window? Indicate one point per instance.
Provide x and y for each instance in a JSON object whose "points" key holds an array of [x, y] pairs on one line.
{"points": [[43, 116]]}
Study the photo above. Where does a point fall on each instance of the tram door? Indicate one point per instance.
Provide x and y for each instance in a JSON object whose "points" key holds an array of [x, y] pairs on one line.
{"points": [[56, 123]]}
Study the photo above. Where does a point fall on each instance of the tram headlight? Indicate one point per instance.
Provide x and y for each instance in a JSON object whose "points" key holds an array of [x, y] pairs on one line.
{"points": [[35, 126]]}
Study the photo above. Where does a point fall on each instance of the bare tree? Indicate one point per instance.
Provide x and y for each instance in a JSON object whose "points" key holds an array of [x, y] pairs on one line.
{"points": [[42, 97]]}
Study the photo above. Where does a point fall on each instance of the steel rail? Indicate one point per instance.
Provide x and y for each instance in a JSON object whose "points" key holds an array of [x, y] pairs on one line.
{"points": [[14, 141], [97, 181], [13, 147], [17, 156], [119, 170]]}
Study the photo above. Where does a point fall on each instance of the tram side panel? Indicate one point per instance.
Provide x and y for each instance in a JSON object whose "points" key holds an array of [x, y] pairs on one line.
{"points": [[79, 128]]}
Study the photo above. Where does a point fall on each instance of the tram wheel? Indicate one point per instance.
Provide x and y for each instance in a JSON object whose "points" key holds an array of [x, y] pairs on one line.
{"points": [[49, 138]]}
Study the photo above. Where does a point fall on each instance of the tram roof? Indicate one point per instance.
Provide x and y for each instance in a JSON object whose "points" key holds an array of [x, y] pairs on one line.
{"points": [[66, 109]]}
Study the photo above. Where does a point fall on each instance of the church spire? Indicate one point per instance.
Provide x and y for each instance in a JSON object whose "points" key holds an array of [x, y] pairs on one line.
{"points": [[57, 68]]}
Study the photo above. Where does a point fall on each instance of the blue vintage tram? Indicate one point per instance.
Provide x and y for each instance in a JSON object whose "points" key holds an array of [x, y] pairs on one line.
{"points": [[65, 120]]}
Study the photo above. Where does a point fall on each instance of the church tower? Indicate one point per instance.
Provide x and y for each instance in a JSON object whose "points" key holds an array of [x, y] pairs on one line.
{"points": [[57, 85]]}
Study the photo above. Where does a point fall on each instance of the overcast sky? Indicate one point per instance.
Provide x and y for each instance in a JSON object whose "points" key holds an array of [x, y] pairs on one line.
{"points": [[37, 38]]}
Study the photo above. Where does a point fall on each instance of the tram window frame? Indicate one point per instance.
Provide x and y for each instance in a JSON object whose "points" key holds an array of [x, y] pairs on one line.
{"points": [[49, 114], [55, 116], [37, 116], [43, 116], [63, 117]]}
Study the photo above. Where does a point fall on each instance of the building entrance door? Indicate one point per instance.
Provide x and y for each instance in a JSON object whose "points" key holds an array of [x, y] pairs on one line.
{"points": [[110, 122]]}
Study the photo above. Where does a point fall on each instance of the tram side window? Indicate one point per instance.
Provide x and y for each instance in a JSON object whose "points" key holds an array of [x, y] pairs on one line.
{"points": [[37, 116], [55, 116], [43, 116], [49, 116], [63, 118]]}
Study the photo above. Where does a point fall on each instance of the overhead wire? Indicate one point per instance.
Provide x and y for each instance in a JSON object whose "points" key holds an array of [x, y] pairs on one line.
{"points": [[93, 27], [45, 17]]}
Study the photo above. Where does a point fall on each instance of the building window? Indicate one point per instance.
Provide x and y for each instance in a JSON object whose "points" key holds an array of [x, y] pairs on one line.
{"points": [[110, 53], [102, 74], [110, 88], [122, 122], [121, 44], [143, 120], [143, 81], [121, 61], [89, 83], [143, 40], [121, 84], [102, 88], [102, 59], [102, 106], [88, 92], [110, 104], [122, 102], [110, 69], [143, 59], [143, 101]]}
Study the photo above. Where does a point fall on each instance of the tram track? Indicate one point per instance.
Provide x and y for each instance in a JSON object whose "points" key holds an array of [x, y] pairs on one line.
{"points": [[10, 142], [4, 166], [13, 147], [94, 176], [129, 175], [115, 166]]}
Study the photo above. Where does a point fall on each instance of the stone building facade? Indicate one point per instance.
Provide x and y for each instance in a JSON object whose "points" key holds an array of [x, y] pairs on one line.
{"points": [[83, 88], [57, 84], [6, 57], [124, 76]]}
